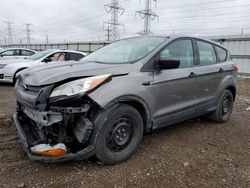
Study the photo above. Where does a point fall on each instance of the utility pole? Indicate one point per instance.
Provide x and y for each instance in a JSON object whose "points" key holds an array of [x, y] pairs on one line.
{"points": [[147, 15], [9, 32], [115, 10], [28, 31], [108, 33]]}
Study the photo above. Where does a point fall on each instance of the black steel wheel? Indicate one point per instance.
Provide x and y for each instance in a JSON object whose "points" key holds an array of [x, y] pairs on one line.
{"points": [[120, 135], [224, 107]]}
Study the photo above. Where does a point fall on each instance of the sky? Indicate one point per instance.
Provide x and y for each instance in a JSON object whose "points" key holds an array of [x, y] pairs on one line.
{"points": [[82, 20]]}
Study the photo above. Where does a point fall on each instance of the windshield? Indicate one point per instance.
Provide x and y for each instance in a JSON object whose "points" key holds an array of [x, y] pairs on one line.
{"points": [[125, 51], [38, 55]]}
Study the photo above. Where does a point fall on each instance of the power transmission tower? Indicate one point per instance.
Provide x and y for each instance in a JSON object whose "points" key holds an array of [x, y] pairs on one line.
{"points": [[47, 39], [242, 31], [1, 35], [9, 32], [108, 33], [28, 32], [115, 10], [147, 15], [5, 41]]}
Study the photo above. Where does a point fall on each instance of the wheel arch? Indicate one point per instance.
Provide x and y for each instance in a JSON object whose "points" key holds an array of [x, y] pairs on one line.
{"points": [[139, 104], [229, 83], [18, 70], [232, 88]]}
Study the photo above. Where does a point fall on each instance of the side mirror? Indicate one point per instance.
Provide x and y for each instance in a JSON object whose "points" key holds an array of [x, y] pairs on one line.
{"points": [[47, 59], [169, 63]]}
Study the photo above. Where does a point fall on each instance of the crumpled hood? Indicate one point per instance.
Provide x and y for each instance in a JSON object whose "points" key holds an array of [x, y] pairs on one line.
{"points": [[53, 73], [12, 61]]}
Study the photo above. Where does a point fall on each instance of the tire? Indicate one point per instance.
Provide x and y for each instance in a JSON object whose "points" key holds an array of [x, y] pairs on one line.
{"points": [[120, 135], [224, 107]]}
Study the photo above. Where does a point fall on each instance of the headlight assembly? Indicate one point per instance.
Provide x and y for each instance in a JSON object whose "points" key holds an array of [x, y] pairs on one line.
{"points": [[79, 86], [2, 66]]}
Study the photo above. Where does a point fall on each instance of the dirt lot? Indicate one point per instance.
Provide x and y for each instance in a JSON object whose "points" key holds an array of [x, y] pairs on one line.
{"points": [[197, 153]]}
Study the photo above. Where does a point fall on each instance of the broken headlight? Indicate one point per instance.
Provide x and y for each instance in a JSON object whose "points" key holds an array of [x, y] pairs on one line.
{"points": [[79, 86]]}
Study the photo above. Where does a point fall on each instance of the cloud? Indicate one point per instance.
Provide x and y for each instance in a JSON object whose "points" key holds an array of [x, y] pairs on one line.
{"points": [[64, 20]]}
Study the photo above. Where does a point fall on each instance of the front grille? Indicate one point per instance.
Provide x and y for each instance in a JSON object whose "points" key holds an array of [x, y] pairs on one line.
{"points": [[32, 96], [25, 95], [1, 76], [2, 66]]}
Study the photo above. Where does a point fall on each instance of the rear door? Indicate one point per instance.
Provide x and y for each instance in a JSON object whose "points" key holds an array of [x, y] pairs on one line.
{"points": [[26, 53], [208, 76], [176, 89], [74, 56]]}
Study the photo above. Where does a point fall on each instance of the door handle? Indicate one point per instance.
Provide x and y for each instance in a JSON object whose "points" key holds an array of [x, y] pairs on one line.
{"points": [[221, 70], [146, 84], [192, 75]]}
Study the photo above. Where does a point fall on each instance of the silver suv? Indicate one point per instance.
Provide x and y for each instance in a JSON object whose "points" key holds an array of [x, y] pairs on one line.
{"points": [[103, 106]]}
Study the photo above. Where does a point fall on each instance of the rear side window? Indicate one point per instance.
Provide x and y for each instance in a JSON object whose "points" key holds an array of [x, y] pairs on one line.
{"points": [[206, 52], [222, 53], [75, 56], [27, 53], [181, 50]]}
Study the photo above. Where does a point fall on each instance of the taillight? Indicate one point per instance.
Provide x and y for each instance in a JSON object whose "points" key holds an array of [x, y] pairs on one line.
{"points": [[235, 66]]}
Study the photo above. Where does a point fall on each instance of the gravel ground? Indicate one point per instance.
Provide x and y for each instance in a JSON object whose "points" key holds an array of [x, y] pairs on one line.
{"points": [[196, 153]]}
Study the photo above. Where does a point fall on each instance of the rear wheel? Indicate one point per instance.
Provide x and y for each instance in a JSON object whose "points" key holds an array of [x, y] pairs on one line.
{"points": [[120, 135], [224, 107]]}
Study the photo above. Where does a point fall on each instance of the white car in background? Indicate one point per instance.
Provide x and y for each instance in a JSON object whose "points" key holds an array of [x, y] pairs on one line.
{"points": [[10, 68], [15, 53]]}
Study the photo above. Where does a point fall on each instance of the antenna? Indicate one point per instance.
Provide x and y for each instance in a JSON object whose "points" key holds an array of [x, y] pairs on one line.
{"points": [[115, 10], [147, 15]]}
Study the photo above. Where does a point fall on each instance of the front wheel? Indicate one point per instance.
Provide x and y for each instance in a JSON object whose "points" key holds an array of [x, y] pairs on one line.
{"points": [[224, 107], [120, 135]]}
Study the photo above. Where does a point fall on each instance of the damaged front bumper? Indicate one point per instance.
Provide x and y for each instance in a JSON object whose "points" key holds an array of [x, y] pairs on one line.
{"points": [[80, 155], [52, 125]]}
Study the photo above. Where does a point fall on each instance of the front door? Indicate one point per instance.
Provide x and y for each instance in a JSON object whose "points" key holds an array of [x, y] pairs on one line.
{"points": [[176, 89]]}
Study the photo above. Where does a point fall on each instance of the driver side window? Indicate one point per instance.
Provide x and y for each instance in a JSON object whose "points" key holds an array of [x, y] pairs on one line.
{"points": [[181, 50]]}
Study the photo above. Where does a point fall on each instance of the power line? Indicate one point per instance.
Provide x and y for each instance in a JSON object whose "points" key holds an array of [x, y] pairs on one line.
{"points": [[114, 9], [148, 15]]}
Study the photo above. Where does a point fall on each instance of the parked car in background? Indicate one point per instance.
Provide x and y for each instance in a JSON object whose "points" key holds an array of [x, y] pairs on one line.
{"points": [[9, 68], [15, 53], [103, 106]]}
